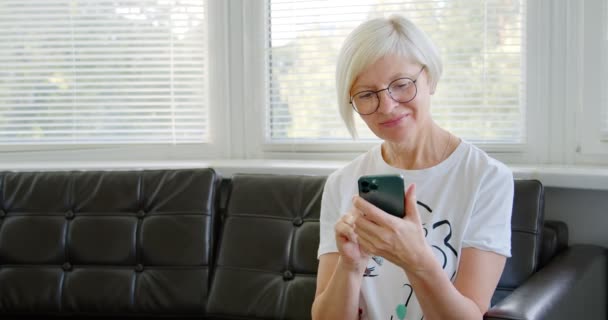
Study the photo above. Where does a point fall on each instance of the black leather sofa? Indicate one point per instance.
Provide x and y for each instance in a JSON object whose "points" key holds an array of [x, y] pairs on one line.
{"points": [[189, 243]]}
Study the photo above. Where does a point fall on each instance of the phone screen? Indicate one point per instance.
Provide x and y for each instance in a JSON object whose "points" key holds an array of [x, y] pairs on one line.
{"points": [[384, 191]]}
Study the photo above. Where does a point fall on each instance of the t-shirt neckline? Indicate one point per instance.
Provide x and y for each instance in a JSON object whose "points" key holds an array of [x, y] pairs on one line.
{"points": [[443, 166]]}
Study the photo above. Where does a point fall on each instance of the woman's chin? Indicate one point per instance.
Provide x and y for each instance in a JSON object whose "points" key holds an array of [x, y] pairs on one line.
{"points": [[394, 135]]}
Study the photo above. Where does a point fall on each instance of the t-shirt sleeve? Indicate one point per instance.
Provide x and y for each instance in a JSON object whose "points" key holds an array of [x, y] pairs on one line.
{"points": [[330, 213], [489, 228]]}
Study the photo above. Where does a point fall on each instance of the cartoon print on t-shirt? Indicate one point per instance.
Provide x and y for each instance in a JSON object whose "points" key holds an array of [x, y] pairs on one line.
{"points": [[401, 309], [438, 234], [369, 271], [379, 260], [443, 230]]}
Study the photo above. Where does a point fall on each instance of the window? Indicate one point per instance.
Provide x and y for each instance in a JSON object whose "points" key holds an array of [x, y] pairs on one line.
{"points": [[195, 79], [593, 111], [481, 96], [103, 72]]}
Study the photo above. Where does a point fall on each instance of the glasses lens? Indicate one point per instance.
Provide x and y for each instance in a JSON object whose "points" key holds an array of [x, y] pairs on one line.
{"points": [[402, 90], [365, 102]]}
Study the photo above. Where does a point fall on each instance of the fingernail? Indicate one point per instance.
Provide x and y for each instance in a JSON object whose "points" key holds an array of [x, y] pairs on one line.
{"points": [[350, 219]]}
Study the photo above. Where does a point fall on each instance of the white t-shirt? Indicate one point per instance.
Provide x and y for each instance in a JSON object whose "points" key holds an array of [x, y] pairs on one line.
{"points": [[464, 201]]}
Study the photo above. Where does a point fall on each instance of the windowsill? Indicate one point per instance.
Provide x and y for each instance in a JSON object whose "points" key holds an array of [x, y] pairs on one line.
{"points": [[578, 177]]}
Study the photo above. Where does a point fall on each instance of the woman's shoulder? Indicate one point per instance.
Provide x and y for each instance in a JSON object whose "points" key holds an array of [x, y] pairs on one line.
{"points": [[484, 165]]}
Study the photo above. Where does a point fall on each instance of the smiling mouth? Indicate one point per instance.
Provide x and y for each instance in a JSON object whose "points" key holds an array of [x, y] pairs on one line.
{"points": [[393, 121]]}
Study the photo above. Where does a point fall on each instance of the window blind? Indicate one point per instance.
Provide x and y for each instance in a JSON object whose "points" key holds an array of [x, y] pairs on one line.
{"points": [[103, 72], [481, 96]]}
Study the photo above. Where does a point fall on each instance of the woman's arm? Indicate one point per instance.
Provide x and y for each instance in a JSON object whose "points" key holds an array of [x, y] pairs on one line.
{"points": [[469, 296], [402, 242], [340, 275], [338, 287]]}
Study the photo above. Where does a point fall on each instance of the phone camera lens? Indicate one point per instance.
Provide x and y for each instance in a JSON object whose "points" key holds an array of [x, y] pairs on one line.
{"points": [[365, 190], [373, 186], [364, 184]]}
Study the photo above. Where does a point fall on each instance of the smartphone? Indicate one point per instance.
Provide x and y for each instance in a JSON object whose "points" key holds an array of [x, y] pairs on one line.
{"points": [[384, 191]]}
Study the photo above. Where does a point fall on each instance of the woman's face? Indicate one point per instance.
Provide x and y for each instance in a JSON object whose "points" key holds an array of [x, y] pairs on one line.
{"points": [[394, 121]]}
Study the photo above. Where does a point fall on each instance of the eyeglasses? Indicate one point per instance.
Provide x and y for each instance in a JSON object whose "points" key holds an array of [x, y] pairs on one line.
{"points": [[401, 90]]}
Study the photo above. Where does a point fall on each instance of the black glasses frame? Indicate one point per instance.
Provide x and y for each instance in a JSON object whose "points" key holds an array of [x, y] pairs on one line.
{"points": [[389, 93]]}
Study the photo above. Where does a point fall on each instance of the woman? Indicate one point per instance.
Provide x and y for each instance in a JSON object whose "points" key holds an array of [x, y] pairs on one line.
{"points": [[442, 260]]}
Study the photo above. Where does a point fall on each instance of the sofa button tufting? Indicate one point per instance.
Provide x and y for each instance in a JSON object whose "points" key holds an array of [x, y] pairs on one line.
{"points": [[69, 215], [288, 275], [66, 266], [298, 221], [139, 267], [141, 214]]}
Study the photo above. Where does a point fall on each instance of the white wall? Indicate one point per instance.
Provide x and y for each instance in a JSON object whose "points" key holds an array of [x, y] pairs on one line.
{"points": [[584, 211]]}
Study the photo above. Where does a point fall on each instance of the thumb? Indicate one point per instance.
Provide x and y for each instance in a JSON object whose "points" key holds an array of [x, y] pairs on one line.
{"points": [[411, 206]]}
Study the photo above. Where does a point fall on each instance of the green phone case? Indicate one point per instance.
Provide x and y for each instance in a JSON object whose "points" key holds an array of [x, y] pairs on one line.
{"points": [[384, 191]]}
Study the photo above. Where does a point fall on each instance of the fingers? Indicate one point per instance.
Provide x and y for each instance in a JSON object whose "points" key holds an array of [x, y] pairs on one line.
{"points": [[352, 225], [367, 246], [371, 212], [345, 228], [349, 219], [364, 225], [411, 204], [367, 237]]}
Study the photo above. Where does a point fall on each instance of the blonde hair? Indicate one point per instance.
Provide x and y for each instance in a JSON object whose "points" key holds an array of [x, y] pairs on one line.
{"points": [[373, 40]]}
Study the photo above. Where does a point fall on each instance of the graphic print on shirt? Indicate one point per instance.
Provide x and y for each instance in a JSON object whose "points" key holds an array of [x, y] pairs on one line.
{"points": [[370, 270], [438, 235], [401, 309]]}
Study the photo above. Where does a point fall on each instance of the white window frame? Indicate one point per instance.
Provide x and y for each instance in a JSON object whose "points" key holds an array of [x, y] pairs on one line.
{"points": [[591, 97]]}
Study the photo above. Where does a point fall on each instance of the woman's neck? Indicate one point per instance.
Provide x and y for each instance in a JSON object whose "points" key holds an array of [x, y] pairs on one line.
{"points": [[426, 150]]}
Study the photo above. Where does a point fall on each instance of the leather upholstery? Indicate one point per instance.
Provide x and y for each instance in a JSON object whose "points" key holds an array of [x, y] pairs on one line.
{"points": [[105, 242], [186, 243], [554, 240], [526, 226], [267, 257], [572, 286]]}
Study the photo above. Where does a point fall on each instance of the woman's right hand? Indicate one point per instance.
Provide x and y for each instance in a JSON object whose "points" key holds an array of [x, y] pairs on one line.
{"points": [[351, 254]]}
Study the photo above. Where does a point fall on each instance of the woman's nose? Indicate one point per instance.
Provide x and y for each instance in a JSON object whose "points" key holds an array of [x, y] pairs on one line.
{"points": [[386, 102]]}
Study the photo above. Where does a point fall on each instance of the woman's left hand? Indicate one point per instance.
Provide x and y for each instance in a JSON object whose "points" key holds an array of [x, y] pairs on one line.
{"points": [[400, 241]]}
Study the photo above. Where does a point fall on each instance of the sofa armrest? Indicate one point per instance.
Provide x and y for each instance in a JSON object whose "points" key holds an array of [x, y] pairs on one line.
{"points": [[571, 286]]}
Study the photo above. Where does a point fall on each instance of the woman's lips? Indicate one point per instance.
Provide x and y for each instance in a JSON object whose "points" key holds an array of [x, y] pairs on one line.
{"points": [[394, 121]]}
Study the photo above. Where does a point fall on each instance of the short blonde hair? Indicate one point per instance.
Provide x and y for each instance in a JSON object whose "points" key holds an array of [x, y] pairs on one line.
{"points": [[373, 40]]}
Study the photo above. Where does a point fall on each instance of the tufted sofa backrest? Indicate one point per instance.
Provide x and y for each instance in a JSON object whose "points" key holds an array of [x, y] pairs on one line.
{"points": [[527, 223], [106, 243], [178, 243], [267, 264]]}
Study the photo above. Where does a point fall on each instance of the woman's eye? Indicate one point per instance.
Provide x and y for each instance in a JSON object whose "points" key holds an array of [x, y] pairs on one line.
{"points": [[365, 95], [402, 84]]}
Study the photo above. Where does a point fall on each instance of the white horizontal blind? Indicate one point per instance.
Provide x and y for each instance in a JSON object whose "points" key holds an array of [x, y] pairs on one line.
{"points": [[103, 72], [480, 96]]}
